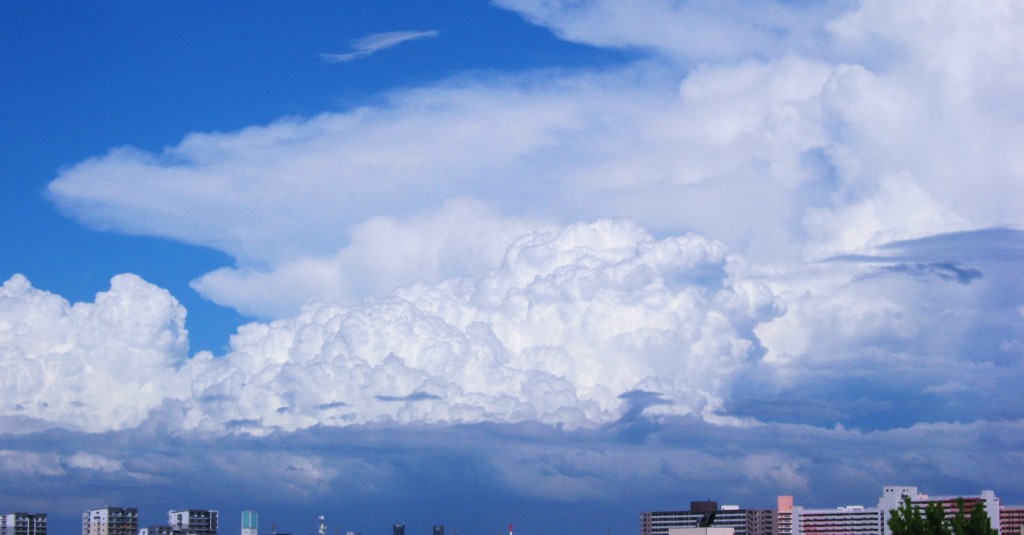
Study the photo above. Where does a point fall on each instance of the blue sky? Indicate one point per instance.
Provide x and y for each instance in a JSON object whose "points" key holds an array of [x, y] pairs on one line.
{"points": [[550, 263]]}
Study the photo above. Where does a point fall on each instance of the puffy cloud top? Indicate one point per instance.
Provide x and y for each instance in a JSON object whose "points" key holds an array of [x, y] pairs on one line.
{"points": [[569, 322], [91, 366]]}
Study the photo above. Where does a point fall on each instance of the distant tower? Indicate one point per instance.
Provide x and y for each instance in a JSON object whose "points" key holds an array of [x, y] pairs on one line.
{"points": [[398, 529], [250, 522], [438, 529], [323, 526]]}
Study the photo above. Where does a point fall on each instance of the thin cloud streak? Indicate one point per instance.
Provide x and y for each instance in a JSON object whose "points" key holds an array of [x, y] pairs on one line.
{"points": [[375, 43]]}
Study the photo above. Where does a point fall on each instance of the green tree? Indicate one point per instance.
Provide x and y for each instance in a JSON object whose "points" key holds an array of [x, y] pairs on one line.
{"points": [[978, 524], [908, 520]]}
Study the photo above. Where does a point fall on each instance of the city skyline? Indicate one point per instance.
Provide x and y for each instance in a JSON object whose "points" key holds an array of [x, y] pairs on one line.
{"points": [[546, 262], [786, 518]]}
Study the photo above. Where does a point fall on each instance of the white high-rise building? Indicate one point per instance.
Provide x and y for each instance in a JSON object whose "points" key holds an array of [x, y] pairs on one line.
{"points": [[193, 521], [110, 521], [892, 497], [23, 524]]}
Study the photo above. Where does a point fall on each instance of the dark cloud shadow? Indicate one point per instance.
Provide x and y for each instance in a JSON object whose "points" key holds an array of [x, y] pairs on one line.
{"points": [[941, 270], [954, 248]]}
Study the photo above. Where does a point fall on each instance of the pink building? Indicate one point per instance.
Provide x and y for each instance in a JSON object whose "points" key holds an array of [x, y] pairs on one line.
{"points": [[784, 515], [1011, 518]]}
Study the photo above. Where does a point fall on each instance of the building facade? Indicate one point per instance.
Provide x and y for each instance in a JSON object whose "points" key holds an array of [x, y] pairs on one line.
{"points": [[193, 521], [951, 505], [700, 531], [23, 524], [742, 521], [847, 520], [1011, 518], [784, 515], [157, 530], [111, 521], [250, 523]]}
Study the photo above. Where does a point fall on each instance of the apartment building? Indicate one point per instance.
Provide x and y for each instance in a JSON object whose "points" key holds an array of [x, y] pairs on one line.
{"points": [[193, 521], [1011, 518], [847, 520], [784, 515], [111, 521], [742, 521], [23, 524]]}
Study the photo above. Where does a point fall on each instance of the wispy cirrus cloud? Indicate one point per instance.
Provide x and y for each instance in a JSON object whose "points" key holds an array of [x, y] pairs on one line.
{"points": [[376, 42]]}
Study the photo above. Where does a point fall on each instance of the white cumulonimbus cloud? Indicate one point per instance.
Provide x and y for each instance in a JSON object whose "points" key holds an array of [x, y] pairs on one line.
{"points": [[879, 122], [569, 322]]}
